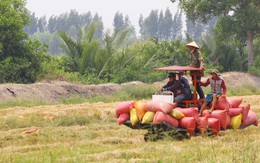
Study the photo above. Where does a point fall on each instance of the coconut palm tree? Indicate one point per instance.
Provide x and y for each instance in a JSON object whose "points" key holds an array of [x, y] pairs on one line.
{"points": [[83, 49], [113, 54]]}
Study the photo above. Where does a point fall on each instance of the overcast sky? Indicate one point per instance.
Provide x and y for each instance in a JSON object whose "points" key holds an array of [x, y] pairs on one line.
{"points": [[105, 8]]}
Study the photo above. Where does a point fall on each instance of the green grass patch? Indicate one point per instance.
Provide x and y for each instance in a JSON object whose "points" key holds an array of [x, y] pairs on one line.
{"points": [[243, 90], [127, 93], [22, 103]]}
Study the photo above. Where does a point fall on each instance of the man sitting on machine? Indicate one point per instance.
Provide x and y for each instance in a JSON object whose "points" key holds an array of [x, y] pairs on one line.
{"points": [[176, 87]]}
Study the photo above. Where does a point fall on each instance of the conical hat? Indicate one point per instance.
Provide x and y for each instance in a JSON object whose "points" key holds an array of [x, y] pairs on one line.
{"points": [[192, 44]]}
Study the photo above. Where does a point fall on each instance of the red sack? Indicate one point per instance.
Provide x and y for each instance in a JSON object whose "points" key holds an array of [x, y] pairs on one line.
{"points": [[154, 106], [222, 103], [251, 119], [124, 107], [221, 115], [172, 121], [159, 117], [122, 118], [245, 111], [234, 111], [189, 123], [189, 112], [234, 102], [228, 121], [214, 125], [202, 124]]}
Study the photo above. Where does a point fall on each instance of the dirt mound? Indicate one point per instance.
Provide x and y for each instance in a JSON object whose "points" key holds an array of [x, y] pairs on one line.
{"points": [[235, 79], [55, 90]]}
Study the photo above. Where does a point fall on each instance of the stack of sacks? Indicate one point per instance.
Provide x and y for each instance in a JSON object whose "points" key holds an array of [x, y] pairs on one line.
{"points": [[241, 116], [228, 113], [158, 112], [231, 114]]}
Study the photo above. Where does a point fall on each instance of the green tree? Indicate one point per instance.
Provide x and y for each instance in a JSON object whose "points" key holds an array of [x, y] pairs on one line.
{"points": [[226, 56], [20, 57], [166, 27], [195, 29], [112, 51], [119, 23], [236, 17], [149, 25], [81, 51], [32, 27], [177, 26]]}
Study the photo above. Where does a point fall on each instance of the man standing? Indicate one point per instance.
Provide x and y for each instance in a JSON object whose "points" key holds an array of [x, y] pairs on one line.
{"points": [[218, 87], [196, 60]]}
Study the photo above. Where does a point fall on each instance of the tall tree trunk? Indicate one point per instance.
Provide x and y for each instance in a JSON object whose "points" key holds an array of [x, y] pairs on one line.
{"points": [[250, 39]]}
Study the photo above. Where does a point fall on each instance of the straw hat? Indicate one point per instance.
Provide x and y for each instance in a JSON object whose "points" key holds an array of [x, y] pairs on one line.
{"points": [[192, 44], [215, 71]]}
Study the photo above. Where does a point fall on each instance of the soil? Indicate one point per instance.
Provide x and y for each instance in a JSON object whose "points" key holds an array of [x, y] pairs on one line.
{"points": [[55, 90]]}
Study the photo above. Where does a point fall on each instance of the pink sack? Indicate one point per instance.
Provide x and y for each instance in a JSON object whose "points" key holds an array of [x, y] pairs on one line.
{"points": [[245, 111], [221, 115], [234, 111], [234, 102], [214, 125], [123, 118], [202, 124], [172, 121], [189, 112], [159, 117], [154, 106], [222, 103], [124, 107], [251, 119], [228, 121], [189, 123]]}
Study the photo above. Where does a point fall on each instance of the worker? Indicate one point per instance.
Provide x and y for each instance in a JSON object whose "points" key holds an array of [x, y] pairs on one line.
{"points": [[196, 60], [176, 87], [218, 88], [184, 81]]}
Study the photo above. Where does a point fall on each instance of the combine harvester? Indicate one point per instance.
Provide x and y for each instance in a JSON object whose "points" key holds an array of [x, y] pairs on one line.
{"points": [[164, 119]]}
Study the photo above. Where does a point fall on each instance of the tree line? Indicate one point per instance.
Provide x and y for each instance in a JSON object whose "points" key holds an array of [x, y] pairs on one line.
{"points": [[162, 25]]}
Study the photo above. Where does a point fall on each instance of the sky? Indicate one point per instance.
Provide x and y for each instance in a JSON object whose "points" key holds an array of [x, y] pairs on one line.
{"points": [[105, 8]]}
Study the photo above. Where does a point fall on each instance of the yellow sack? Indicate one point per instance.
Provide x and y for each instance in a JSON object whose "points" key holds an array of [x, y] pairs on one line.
{"points": [[236, 121], [133, 117], [148, 117], [177, 114], [139, 107]]}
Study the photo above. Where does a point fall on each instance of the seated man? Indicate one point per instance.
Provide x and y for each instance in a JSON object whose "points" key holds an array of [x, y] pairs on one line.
{"points": [[176, 87], [184, 81], [218, 88]]}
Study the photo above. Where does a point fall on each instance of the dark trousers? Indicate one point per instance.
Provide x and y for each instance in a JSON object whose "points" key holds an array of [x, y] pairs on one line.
{"points": [[199, 89]]}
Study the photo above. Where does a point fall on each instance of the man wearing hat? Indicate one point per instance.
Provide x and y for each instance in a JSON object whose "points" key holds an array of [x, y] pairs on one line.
{"points": [[196, 60], [176, 87], [218, 88]]}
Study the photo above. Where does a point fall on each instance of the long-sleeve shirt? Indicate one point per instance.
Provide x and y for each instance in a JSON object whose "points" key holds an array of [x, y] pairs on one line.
{"points": [[216, 85], [195, 58], [176, 87]]}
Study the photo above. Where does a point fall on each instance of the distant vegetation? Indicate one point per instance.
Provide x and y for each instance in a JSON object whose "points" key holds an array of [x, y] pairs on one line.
{"points": [[75, 47]]}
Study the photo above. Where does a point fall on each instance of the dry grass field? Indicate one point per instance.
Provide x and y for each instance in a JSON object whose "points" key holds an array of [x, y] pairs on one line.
{"points": [[89, 132]]}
